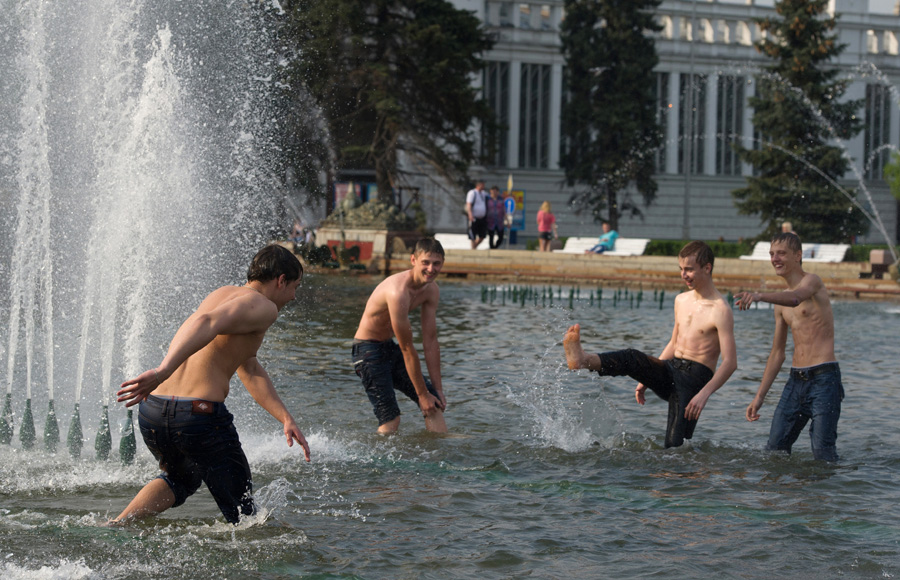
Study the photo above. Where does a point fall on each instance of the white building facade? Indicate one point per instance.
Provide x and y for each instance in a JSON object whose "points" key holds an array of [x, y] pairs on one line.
{"points": [[710, 42]]}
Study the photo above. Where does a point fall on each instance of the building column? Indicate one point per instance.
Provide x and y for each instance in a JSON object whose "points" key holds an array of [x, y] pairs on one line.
{"points": [[747, 124], [672, 123], [556, 90], [856, 146], [515, 90], [711, 122], [894, 127]]}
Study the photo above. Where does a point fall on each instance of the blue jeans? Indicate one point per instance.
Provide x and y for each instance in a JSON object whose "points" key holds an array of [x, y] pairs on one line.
{"points": [[195, 442], [381, 367], [810, 393]]}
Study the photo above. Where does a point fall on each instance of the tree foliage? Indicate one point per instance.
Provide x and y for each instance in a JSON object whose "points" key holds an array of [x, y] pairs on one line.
{"points": [[391, 77], [892, 174], [797, 110], [609, 121]]}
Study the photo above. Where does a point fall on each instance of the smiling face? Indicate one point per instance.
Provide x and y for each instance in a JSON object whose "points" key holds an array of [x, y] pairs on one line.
{"points": [[426, 266], [783, 258], [692, 274]]}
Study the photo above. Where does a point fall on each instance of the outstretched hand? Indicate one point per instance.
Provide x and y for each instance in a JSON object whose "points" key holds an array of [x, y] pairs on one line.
{"points": [[293, 433], [745, 299], [137, 389]]}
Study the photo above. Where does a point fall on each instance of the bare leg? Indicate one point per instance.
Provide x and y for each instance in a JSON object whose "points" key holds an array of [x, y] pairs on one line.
{"points": [[156, 497], [390, 427], [576, 358], [435, 422]]}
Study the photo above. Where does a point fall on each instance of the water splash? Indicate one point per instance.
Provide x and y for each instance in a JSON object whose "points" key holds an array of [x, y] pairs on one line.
{"points": [[547, 398]]}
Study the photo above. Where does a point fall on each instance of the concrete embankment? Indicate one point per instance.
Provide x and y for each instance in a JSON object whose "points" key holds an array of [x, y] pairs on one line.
{"points": [[649, 272]]}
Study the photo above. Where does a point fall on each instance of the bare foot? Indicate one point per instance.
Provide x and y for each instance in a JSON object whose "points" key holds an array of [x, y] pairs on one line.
{"points": [[575, 356]]}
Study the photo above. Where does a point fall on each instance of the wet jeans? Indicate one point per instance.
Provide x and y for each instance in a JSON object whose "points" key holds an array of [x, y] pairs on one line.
{"points": [[674, 380], [811, 393]]}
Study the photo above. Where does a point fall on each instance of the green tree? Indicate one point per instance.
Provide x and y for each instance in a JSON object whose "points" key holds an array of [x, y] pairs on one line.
{"points": [[609, 120], [892, 174], [391, 78], [797, 110]]}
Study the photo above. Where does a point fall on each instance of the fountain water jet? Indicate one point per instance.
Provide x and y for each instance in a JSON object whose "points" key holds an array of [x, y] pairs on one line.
{"points": [[145, 173]]}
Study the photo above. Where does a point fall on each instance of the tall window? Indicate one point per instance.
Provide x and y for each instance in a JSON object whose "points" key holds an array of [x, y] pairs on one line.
{"points": [[506, 14], [878, 130], [524, 15], [662, 117], [691, 124], [534, 116], [729, 124], [496, 93]]}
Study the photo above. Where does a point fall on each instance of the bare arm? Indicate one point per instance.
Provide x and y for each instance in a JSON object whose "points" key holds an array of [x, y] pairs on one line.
{"points": [[259, 385], [728, 352], [241, 315], [809, 285], [773, 365], [398, 306], [431, 346]]}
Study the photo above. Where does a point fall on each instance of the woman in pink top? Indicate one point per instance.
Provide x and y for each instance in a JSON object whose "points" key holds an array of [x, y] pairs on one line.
{"points": [[546, 224]]}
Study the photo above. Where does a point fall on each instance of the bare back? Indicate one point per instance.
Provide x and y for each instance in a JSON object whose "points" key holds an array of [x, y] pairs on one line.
{"points": [[395, 292], [697, 323], [207, 373], [812, 325]]}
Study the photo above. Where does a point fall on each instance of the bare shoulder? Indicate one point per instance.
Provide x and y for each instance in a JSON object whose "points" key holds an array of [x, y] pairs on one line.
{"points": [[393, 285], [225, 294], [242, 299], [723, 309], [813, 281], [433, 291]]}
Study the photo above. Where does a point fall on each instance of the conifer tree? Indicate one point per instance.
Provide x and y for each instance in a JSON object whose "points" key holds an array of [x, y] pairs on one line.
{"points": [[392, 77], [609, 119], [798, 113]]}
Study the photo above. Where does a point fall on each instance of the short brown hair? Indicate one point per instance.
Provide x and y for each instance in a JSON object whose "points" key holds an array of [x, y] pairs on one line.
{"points": [[273, 261], [791, 239], [702, 253], [428, 246]]}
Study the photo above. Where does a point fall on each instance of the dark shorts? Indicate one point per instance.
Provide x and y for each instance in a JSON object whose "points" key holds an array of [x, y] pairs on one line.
{"points": [[545, 235], [195, 442], [676, 381], [382, 370], [478, 228]]}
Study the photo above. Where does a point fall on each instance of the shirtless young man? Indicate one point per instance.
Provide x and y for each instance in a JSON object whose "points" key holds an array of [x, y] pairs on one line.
{"points": [[814, 390], [682, 375], [182, 414], [385, 366]]}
